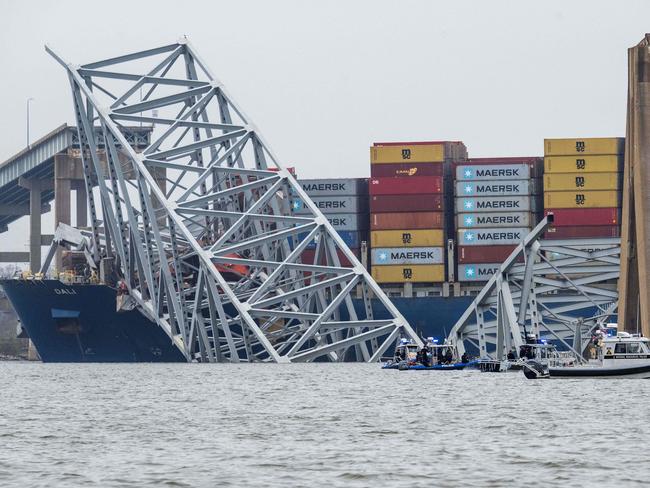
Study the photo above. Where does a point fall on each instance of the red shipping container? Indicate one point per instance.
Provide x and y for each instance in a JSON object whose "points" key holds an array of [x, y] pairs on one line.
{"points": [[583, 232], [308, 257], [388, 170], [406, 203], [406, 186], [407, 220], [483, 254], [563, 217]]}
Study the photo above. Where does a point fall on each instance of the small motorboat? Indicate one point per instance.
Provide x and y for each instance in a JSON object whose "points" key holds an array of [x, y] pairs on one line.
{"points": [[623, 355], [534, 350], [432, 357]]}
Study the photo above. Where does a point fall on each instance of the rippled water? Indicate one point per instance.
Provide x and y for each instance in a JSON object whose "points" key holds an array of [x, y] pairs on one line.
{"points": [[315, 425]]}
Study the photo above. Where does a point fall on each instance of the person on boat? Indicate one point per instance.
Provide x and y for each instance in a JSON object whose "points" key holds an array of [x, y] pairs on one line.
{"points": [[425, 356], [398, 355], [420, 357], [449, 357], [464, 358], [511, 355]]}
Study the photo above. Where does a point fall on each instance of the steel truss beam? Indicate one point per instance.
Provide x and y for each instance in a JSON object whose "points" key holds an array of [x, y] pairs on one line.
{"points": [[557, 289], [203, 235]]}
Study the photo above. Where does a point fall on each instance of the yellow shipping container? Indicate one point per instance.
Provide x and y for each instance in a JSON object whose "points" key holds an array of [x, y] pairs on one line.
{"points": [[407, 238], [583, 164], [589, 145], [417, 153], [582, 199], [582, 181], [420, 273]]}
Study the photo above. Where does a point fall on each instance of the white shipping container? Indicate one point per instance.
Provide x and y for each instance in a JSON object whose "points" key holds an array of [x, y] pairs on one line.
{"points": [[554, 256], [496, 188], [407, 255], [492, 236], [335, 187], [497, 204], [495, 219], [332, 205], [477, 272], [350, 222], [492, 172]]}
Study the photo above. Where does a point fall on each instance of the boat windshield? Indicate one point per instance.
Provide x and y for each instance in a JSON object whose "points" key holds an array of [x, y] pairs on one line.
{"points": [[628, 348]]}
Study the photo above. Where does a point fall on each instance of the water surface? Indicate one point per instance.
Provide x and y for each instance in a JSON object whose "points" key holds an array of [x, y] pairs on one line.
{"points": [[335, 425]]}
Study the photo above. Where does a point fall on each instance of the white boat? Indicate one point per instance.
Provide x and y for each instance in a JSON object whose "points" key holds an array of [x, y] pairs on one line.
{"points": [[621, 355]]}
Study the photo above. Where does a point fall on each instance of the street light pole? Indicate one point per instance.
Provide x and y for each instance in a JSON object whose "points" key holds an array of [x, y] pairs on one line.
{"points": [[30, 99]]}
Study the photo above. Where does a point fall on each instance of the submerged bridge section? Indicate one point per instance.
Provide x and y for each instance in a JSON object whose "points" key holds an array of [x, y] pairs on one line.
{"points": [[49, 169], [214, 255], [557, 290]]}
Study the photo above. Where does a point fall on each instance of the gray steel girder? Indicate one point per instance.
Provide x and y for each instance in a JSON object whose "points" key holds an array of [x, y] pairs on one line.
{"points": [[204, 234]]}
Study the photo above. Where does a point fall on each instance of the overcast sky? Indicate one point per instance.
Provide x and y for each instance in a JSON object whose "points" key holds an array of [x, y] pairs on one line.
{"points": [[323, 80]]}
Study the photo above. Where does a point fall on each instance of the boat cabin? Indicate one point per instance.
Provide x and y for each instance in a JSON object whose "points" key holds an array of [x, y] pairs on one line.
{"points": [[625, 346], [406, 351]]}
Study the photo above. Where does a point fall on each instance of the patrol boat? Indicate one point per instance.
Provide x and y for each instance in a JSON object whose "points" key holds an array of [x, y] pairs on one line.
{"points": [[622, 355], [433, 357]]}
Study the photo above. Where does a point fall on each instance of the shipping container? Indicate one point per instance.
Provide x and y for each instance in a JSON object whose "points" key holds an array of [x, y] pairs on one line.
{"points": [[406, 186], [583, 164], [407, 238], [589, 145], [406, 203], [407, 220], [563, 217], [352, 239], [496, 219], [497, 188], [492, 172], [392, 170], [307, 257], [332, 205], [580, 232], [407, 255], [582, 199], [535, 160], [492, 236], [497, 204], [335, 187], [484, 254], [477, 271], [554, 256], [453, 150], [416, 273], [407, 153], [349, 222], [583, 181]]}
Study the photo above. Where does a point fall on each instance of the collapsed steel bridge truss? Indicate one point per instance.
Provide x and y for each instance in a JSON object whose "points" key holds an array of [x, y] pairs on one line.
{"points": [[558, 290], [202, 229]]}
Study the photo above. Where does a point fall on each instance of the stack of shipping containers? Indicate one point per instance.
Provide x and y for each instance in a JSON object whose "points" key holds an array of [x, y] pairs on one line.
{"points": [[582, 187], [344, 202], [409, 190], [498, 202]]}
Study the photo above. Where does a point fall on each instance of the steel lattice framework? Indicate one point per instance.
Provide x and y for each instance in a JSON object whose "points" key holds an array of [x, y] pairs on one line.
{"points": [[200, 223], [567, 288]]}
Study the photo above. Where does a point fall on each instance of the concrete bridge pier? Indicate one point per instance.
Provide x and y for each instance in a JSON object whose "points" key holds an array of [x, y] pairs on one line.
{"points": [[35, 187]]}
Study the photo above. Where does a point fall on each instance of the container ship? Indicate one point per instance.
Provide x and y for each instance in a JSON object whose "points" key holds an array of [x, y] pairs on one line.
{"points": [[431, 224]]}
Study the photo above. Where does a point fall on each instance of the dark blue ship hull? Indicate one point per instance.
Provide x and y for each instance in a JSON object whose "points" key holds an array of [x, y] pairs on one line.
{"points": [[79, 323]]}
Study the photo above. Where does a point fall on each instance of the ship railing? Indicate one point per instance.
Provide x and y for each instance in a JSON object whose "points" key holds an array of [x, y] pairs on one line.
{"points": [[563, 359], [70, 277]]}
